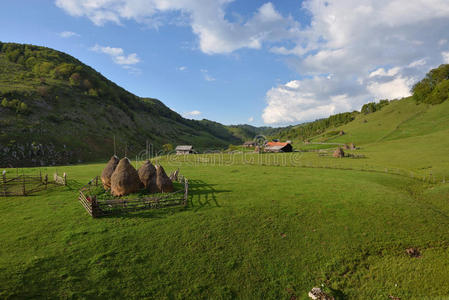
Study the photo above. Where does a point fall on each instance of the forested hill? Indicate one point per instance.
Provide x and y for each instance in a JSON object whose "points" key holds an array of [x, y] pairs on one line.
{"points": [[55, 109]]}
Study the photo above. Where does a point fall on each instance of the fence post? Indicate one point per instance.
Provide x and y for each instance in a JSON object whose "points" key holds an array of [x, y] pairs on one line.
{"points": [[94, 205], [4, 183], [23, 185], [65, 178], [186, 190], [46, 180]]}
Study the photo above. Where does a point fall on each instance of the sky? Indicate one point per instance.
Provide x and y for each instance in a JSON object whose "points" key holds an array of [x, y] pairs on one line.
{"points": [[245, 61]]}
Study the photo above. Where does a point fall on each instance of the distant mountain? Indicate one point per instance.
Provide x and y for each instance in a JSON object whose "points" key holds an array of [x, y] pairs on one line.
{"points": [[55, 109]]}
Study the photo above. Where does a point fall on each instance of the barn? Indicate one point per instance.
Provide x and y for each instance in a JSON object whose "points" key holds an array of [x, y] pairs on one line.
{"points": [[184, 149], [278, 147]]}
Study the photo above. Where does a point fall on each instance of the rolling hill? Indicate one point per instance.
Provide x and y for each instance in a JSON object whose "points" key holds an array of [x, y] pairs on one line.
{"points": [[55, 109]]}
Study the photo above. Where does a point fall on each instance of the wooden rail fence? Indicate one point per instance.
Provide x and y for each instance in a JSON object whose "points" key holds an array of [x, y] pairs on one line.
{"points": [[103, 207], [23, 185]]}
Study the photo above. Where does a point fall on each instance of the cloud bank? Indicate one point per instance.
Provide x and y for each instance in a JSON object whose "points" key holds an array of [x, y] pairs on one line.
{"points": [[352, 52], [359, 51]]}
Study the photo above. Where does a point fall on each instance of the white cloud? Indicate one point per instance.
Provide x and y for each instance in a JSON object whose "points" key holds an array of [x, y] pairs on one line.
{"points": [[445, 57], [250, 119], [382, 73], [418, 63], [118, 55], [182, 68], [68, 34], [207, 19], [378, 51], [192, 114], [301, 100], [396, 88], [206, 75]]}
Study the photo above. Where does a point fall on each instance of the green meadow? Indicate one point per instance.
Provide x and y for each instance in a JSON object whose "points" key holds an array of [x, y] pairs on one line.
{"points": [[257, 226], [250, 231]]}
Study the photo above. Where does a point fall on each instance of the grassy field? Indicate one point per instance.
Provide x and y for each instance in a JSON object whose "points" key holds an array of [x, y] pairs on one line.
{"points": [[269, 226], [250, 231]]}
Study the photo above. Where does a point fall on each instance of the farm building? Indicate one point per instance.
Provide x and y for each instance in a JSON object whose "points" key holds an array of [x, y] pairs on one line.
{"points": [[278, 147], [249, 144], [184, 149]]}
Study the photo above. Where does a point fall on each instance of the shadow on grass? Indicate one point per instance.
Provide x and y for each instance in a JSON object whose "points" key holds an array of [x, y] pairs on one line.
{"points": [[338, 295], [201, 195]]}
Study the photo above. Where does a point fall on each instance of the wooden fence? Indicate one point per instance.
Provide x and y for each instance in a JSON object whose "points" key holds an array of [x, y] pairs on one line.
{"points": [[103, 207], [23, 185]]}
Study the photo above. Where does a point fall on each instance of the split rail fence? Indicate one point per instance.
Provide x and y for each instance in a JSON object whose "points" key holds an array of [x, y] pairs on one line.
{"points": [[23, 185]]}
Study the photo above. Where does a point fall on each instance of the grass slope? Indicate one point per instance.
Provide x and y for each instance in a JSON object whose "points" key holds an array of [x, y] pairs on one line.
{"points": [[241, 236]]}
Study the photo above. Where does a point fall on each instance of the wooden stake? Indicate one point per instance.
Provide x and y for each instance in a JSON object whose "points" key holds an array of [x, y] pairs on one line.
{"points": [[23, 185], [4, 183], [115, 149]]}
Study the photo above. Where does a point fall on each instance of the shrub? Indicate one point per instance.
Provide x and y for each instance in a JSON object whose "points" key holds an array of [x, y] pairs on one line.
{"points": [[75, 79]]}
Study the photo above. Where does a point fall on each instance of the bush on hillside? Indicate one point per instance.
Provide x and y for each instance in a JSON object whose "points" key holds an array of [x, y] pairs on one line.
{"points": [[373, 106], [433, 89]]}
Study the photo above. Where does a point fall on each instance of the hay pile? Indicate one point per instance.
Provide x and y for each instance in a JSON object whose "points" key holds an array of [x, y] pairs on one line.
{"points": [[125, 179], [147, 175], [339, 153], [107, 172], [163, 183]]}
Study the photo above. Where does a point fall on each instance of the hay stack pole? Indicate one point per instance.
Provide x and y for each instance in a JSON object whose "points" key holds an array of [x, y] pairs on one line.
{"points": [[163, 183], [147, 175], [125, 179], [108, 171]]}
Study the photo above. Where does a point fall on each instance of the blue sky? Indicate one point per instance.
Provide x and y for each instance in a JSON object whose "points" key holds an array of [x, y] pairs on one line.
{"points": [[255, 62]]}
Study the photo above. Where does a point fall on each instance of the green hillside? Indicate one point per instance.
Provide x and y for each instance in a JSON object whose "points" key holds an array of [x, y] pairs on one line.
{"points": [[425, 112], [55, 109]]}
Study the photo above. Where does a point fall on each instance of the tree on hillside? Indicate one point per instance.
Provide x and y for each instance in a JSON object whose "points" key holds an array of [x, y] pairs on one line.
{"points": [[167, 147], [432, 89]]}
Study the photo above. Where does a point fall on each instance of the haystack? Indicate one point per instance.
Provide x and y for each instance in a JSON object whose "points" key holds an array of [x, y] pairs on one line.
{"points": [[174, 175], [147, 175], [107, 172], [163, 183], [339, 153], [125, 179]]}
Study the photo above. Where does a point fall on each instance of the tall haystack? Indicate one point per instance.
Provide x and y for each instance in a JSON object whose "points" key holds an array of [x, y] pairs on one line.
{"points": [[125, 179], [147, 175], [163, 183], [339, 152], [107, 172]]}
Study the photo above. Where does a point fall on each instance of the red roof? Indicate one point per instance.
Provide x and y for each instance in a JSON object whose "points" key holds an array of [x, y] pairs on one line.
{"points": [[272, 144]]}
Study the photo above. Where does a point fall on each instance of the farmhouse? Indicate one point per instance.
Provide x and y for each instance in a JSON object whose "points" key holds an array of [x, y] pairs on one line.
{"points": [[278, 147], [184, 149]]}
